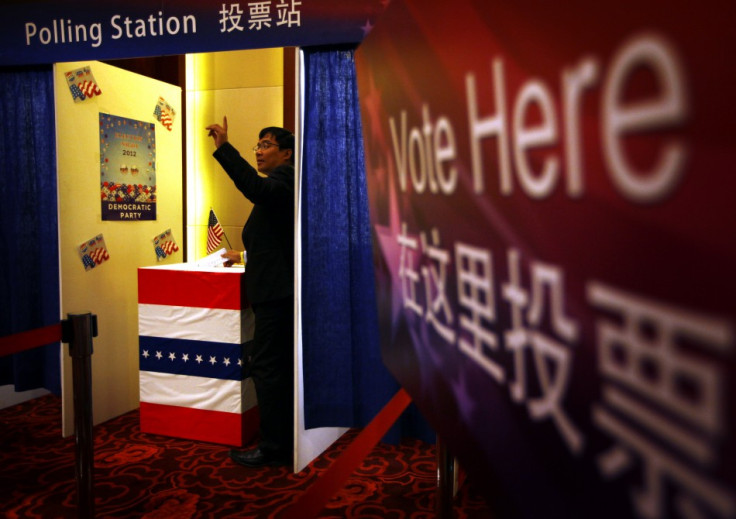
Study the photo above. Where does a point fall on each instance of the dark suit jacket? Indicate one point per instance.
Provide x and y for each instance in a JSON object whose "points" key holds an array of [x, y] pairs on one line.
{"points": [[268, 234]]}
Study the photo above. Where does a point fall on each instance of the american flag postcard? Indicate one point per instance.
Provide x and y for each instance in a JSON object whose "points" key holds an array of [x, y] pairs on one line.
{"points": [[93, 252], [164, 245], [82, 84], [164, 113]]}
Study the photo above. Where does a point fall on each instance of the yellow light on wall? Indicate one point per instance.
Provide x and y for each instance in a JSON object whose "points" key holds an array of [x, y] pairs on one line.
{"points": [[247, 86], [198, 71]]}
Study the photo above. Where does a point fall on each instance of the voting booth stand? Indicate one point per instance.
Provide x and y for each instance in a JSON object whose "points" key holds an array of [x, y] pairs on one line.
{"points": [[194, 325]]}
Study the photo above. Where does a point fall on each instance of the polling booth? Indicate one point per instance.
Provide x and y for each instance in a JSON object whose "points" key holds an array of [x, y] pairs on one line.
{"points": [[75, 32], [194, 325]]}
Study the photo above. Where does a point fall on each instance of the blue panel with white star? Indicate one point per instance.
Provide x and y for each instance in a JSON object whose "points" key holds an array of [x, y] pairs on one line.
{"points": [[196, 358]]}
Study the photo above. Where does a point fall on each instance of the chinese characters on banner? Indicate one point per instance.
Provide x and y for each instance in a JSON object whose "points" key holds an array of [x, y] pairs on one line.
{"points": [[127, 169], [260, 15], [554, 248]]}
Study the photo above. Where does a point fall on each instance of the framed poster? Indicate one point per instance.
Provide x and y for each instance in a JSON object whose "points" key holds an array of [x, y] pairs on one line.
{"points": [[127, 168]]}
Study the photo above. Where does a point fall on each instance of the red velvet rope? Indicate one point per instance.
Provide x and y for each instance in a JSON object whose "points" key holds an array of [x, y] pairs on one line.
{"points": [[312, 502], [22, 341], [315, 499]]}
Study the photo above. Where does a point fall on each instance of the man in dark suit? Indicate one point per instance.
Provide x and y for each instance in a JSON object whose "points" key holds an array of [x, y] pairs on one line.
{"points": [[268, 236]]}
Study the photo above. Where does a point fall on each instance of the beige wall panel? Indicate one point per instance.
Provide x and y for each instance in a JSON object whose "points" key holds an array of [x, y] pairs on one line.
{"points": [[239, 69], [110, 290], [248, 111]]}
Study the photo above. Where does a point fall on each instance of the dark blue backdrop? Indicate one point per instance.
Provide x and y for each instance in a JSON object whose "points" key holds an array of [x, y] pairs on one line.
{"points": [[29, 261], [345, 381]]}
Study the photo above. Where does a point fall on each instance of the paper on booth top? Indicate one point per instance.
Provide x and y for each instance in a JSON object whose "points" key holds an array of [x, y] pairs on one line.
{"points": [[213, 260]]}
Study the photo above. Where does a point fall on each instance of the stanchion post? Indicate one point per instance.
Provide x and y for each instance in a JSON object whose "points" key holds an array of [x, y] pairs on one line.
{"points": [[78, 331], [445, 481]]}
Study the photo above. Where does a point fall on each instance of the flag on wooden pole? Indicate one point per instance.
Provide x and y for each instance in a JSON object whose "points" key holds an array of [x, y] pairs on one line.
{"points": [[214, 233]]}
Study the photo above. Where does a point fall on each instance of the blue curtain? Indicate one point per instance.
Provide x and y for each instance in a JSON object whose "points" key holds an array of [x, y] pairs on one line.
{"points": [[345, 381], [29, 266]]}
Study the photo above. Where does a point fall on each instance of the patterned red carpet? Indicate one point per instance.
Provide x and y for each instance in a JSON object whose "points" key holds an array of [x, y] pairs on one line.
{"points": [[139, 475]]}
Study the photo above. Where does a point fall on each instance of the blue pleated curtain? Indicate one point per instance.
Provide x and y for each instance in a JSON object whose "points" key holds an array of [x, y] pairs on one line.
{"points": [[345, 381], [29, 266]]}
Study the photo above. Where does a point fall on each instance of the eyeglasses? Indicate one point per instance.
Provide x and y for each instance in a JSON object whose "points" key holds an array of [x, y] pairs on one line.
{"points": [[264, 146]]}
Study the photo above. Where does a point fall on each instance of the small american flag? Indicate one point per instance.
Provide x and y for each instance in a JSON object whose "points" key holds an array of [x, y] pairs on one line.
{"points": [[88, 262], [214, 233], [166, 120], [82, 84], [77, 92], [99, 255], [93, 252], [164, 245], [164, 113], [169, 247], [90, 88]]}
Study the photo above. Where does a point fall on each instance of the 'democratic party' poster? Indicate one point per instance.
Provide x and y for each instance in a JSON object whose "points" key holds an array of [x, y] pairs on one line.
{"points": [[127, 168]]}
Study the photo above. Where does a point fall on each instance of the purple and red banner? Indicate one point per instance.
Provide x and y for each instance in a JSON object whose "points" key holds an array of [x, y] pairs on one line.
{"points": [[193, 327], [551, 195]]}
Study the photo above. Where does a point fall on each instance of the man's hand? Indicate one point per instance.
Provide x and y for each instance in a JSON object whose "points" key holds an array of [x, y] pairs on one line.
{"points": [[231, 257], [218, 133]]}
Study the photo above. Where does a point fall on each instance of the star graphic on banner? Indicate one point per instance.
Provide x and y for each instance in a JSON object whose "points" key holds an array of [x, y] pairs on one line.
{"points": [[240, 362], [199, 359], [185, 357], [213, 360], [373, 109], [391, 251], [466, 399], [172, 356], [367, 28], [158, 355], [226, 361], [146, 354], [385, 176]]}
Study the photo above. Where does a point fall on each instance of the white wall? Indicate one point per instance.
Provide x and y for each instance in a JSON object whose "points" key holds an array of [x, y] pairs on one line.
{"points": [[8, 395], [110, 290]]}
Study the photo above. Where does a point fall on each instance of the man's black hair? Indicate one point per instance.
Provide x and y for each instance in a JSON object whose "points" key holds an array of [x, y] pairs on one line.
{"points": [[284, 138]]}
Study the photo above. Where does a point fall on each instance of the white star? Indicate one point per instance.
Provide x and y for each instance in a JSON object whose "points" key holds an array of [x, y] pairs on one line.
{"points": [[213, 360], [199, 359], [146, 354], [240, 362], [367, 28], [185, 357], [158, 355], [226, 361], [172, 355]]}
